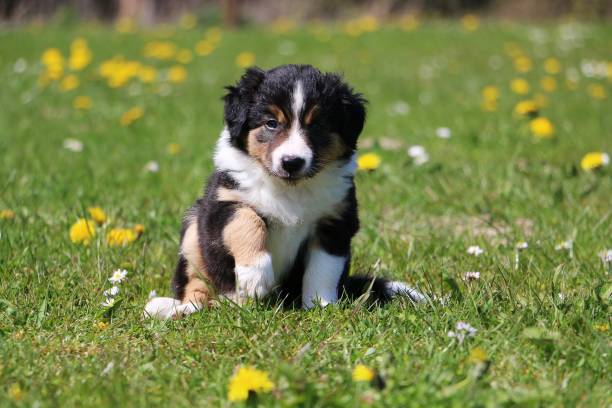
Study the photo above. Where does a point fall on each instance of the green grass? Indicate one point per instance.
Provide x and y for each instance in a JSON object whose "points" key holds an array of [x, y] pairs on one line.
{"points": [[492, 184]]}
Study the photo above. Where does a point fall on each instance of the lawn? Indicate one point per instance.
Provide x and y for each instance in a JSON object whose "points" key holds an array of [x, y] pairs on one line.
{"points": [[541, 314]]}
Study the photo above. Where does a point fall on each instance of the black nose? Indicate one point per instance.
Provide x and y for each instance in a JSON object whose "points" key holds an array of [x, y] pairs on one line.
{"points": [[292, 164]]}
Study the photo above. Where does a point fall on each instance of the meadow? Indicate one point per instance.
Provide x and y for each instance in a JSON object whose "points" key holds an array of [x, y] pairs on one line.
{"points": [[498, 213]]}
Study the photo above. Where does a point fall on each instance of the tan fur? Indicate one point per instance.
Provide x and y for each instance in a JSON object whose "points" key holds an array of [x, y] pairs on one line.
{"points": [[226, 194], [245, 236], [310, 114], [278, 114], [196, 290], [334, 150], [257, 149]]}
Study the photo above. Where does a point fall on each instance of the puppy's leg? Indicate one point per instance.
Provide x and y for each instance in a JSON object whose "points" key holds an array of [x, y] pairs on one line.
{"points": [[245, 238], [321, 277]]}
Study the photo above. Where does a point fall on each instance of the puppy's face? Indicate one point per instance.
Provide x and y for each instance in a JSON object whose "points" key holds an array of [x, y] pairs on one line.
{"points": [[294, 120]]}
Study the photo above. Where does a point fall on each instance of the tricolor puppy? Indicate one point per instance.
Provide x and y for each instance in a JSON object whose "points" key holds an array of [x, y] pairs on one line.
{"points": [[279, 212]]}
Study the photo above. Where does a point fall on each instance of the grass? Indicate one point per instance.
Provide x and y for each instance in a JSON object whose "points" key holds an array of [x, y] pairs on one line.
{"points": [[543, 325]]}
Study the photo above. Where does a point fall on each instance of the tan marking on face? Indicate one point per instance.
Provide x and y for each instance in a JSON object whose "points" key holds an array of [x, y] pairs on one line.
{"points": [[311, 114], [333, 151], [255, 148], [245, 236], [278, 113], [226, 194], [197, 291]]}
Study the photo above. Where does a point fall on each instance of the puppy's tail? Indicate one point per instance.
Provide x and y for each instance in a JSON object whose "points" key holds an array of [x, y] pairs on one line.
{"points": [[378, 290]]}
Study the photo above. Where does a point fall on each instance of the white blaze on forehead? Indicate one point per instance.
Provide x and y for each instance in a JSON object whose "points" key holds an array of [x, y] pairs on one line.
{"points": [[295, 145]]}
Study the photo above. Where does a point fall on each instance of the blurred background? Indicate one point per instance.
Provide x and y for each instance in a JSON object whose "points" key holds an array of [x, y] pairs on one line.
{"points": [[235, 12]]}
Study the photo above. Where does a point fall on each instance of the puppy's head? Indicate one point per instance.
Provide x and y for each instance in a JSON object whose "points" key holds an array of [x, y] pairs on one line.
{"points": [[294, 119]]}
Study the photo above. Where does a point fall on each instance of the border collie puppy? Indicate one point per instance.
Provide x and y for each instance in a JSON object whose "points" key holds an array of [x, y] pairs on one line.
{"points": [[279, 212]]}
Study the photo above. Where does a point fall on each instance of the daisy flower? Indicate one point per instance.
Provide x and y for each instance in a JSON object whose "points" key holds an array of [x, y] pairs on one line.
{"points": [[470, 276], [109, 293], [418, 154], [475, 250], [443, 133], [462, 331], [152, 294], [109, 302], [73, 145], [606, 256], [118, 276], [152, 167]]}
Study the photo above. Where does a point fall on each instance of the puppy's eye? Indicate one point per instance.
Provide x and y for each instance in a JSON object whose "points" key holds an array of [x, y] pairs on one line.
{"points": [[271, 124]]}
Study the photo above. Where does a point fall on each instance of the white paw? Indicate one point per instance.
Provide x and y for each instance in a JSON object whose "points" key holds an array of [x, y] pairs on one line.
{"points": [[330, 299], [397, 288], [164, 308], [255, 280]]}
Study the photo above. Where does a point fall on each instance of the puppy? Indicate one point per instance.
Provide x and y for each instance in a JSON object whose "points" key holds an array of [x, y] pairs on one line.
{"points": [[279, 212]]}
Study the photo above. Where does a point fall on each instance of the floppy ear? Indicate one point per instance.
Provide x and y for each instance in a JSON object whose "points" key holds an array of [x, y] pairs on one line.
{"points": [[353, 116], [237, 102]]}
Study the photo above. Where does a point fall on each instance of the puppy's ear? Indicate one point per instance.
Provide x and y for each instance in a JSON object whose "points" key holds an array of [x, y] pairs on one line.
{"points": [[237, 102], [353, 116]]}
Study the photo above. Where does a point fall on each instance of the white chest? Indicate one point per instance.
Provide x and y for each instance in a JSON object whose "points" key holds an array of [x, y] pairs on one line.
{"points": [[283, 243]]}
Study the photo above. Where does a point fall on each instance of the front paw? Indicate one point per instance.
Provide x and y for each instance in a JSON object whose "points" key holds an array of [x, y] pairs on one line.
{"points": [[164, 308], [257, 280]]}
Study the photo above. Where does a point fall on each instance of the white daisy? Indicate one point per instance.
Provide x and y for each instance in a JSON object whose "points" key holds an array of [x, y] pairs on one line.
{"points": [[475, 250], [73, 145], [109, 367], [109, 302], [443, 133], [418, 154], [522, 245], [462, 331], [152, 294], [111, 292], [564, 245], [152, 166], [118, 276], [606, 256], [470, 276]]}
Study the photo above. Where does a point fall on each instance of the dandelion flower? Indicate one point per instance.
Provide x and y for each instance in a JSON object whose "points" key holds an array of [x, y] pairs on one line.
{"points": [[174, 148], [139, 229], [368, 161], [552, 66], [470, 22], [184, 56], [542, 128], [594, 160], [80, 55], [82, 231], [470, 276], [602, 327], [522, 64], [7, 214], [246, 380], [82, 103], [101, 325], [527, 107], [475, 250], [204, 48], [519, 86], [131, 115], [363, 373], [118, 276], [73, 145], [147, 74], [69, 83], [597, 91], [245, 59], [97, 214], [15, 392], [548, 84], [121, 236], [177, 74], [478, 355]]}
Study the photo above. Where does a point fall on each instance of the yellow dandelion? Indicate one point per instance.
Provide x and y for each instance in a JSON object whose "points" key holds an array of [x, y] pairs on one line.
{"points": [[177, 74], [246, 380], [602, 327], [15, 392], [174, 149], [245, 59], [519, 86], [131, 115], [597, 91], [594, 160], [82, 231], [7, 214], [490, 92], [363, 373], [368, 161], [478, 355], [69, 83], [542, 128], [80, 55], [470, 22], [548, 84], [163, 50], [368, 24], [139, 229], [101, 325], [552, 66], [97, 214], [82, 103], [204, 48], [527, 107], [522, 64], [213, 34], [489, 105], [147, 74], [409, 22], [121, 236], [184, 56]]}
